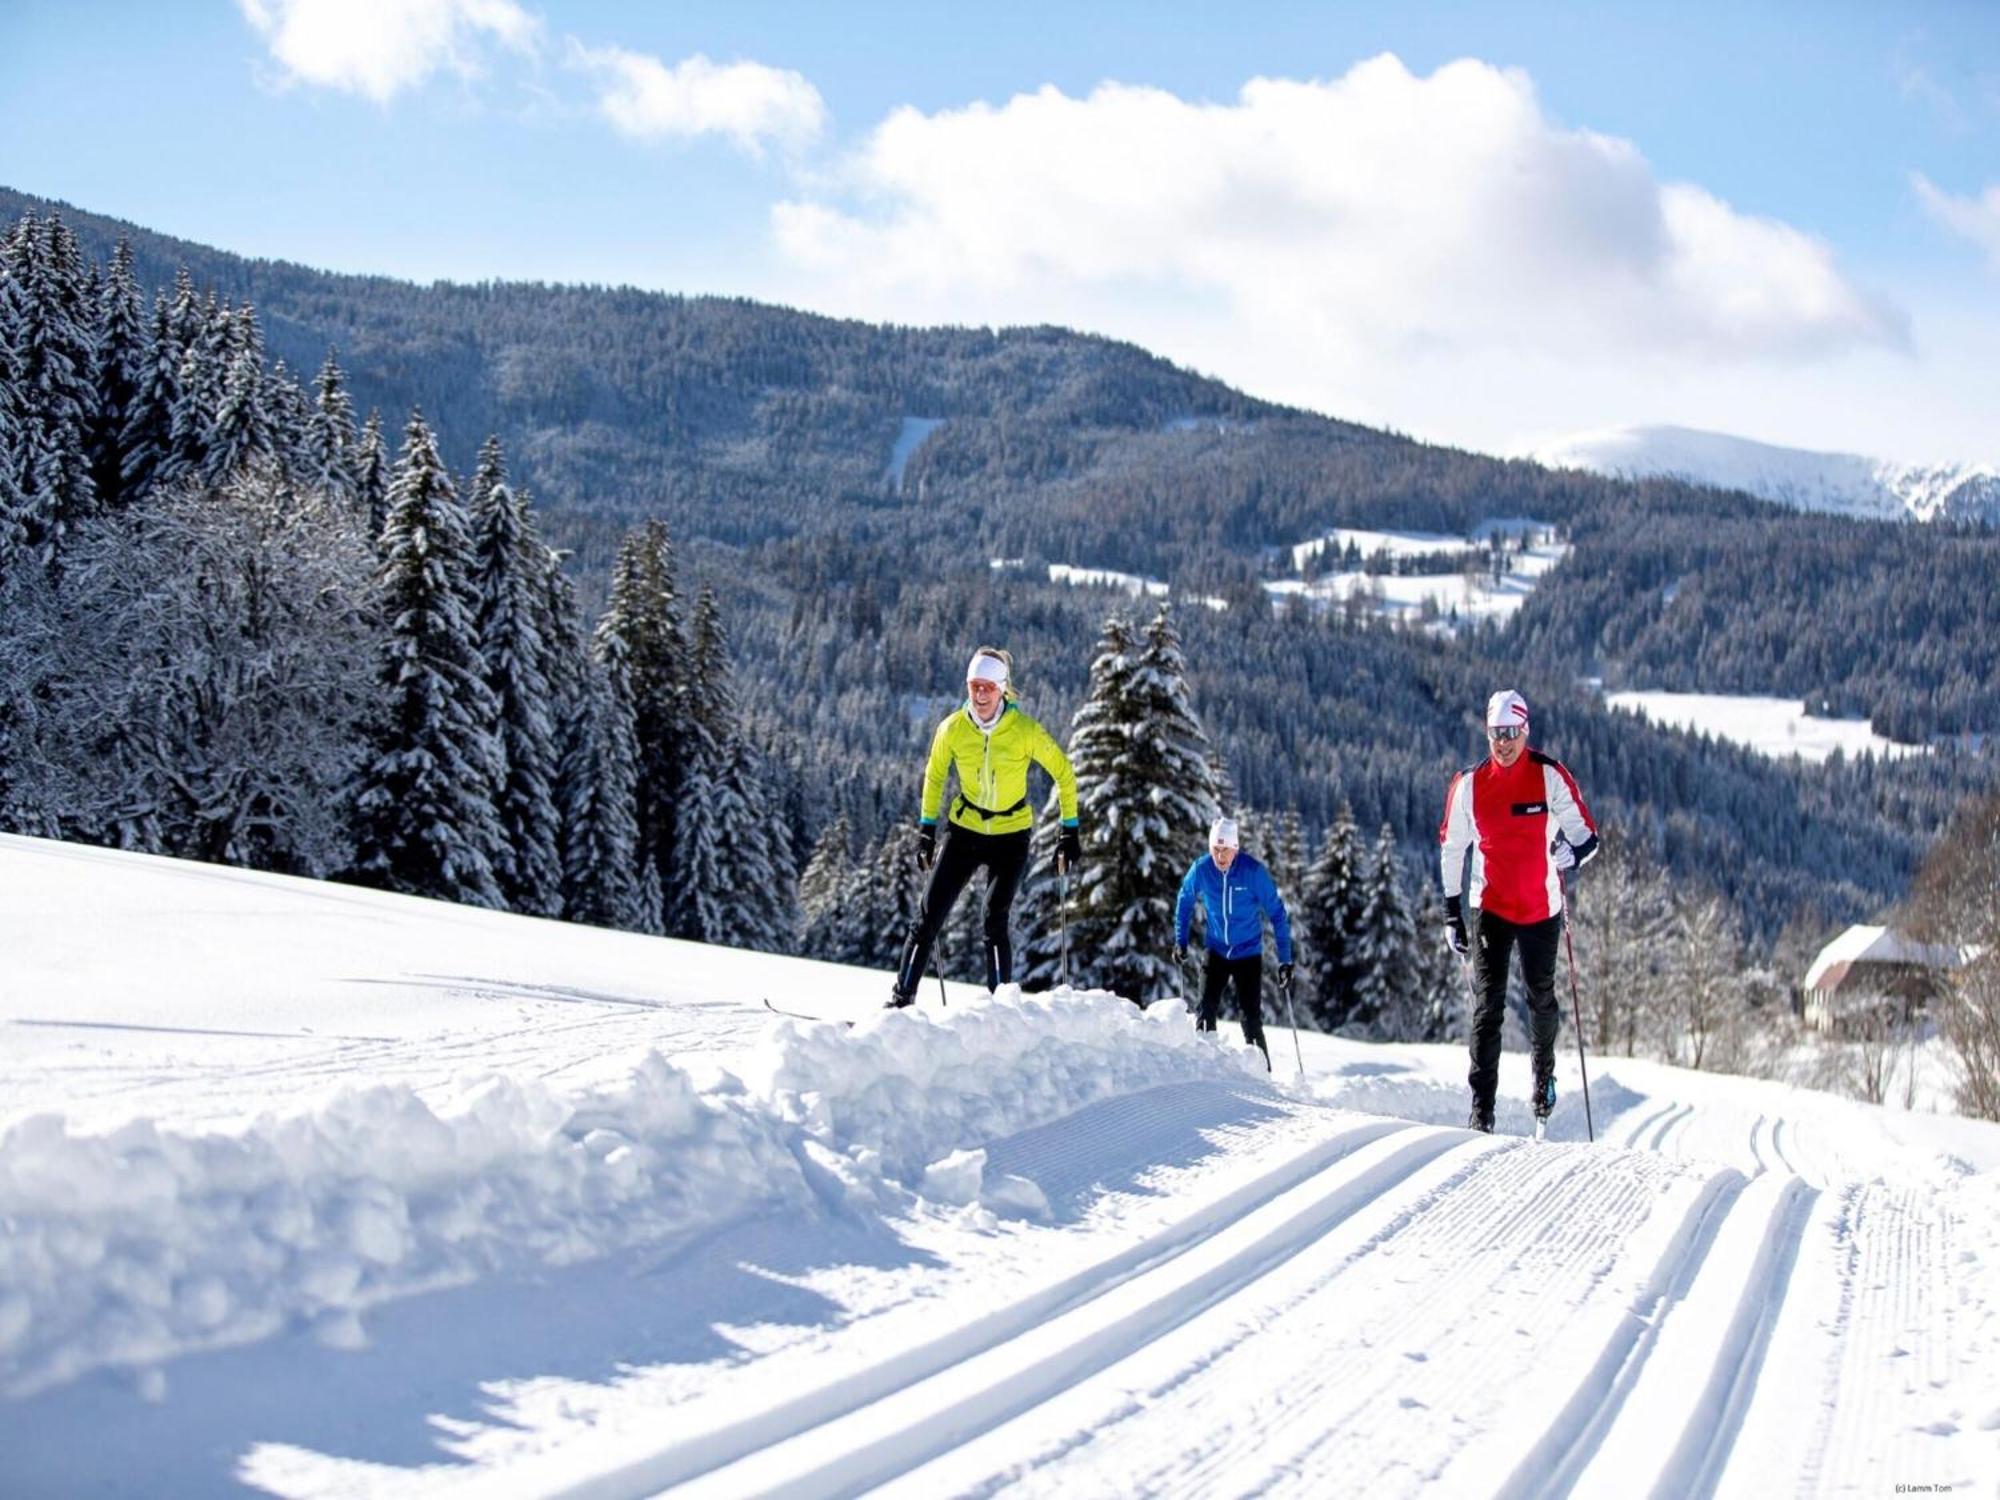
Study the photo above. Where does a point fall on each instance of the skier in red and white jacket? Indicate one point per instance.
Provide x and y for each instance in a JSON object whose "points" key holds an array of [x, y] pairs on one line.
{"points": [[1512, 825]]}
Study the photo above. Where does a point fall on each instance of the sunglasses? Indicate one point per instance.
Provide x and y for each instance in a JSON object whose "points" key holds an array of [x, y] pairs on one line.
{"points": [[1506, 732]]}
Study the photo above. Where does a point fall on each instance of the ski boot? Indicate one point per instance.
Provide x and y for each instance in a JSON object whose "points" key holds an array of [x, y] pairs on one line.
{"points": [[899, 998], [1545, 1103], [1482, 1119]]}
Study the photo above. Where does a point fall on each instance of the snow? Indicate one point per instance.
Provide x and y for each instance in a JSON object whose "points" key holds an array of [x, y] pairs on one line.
{"points": [[1131, 583], [1840, 483], [1771, 726], [1451, 596], [310, 1190], [909, 438]]}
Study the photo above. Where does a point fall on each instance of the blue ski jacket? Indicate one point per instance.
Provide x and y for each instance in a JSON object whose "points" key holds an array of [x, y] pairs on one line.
{"points": [[1236, 904]]}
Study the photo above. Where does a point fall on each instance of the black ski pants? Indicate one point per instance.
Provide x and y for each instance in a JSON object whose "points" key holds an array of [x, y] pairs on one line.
{"points": [[1004, 857], [1247, 974], [1493, 939]]}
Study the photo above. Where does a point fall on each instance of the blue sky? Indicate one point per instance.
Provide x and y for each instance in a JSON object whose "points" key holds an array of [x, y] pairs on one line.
{"points": [[1478, 223]]}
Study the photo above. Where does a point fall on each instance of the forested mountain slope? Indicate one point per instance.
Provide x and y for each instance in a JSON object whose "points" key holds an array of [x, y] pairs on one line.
{"points": [[845, 488]]}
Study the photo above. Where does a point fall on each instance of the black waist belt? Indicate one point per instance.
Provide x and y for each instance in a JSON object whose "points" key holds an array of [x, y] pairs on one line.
{"points": [[985, 814]]}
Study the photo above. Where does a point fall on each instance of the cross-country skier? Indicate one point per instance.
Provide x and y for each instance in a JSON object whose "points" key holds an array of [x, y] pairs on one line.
{"points": [[1236, 894], [1521, 819], [989, 743]]}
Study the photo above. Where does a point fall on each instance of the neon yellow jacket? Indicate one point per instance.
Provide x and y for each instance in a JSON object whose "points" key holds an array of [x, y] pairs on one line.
{"points": [[992, 770]]}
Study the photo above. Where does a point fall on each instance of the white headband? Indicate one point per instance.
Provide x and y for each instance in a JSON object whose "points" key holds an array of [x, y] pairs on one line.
{"points": [[984, 668]]}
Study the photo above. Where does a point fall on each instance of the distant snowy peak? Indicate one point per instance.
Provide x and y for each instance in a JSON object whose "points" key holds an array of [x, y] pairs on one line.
{"points": [[1839, 483]]}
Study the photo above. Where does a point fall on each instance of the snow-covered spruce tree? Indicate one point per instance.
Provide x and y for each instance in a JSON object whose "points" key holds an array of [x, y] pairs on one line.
{"points": [[241, 435], [511, 587], [149, 420], [204, 675], [371, 477], [424, 816], [596, 774], [1099, 739], [13, 440], [1172, 760], [1440, 980], [878, 921], [1329, 923], [642, 618], [330, 446], [824, 886], [118, 375], [725, 887], [287, 413], [55, 402], [204, 339], [1388, 1000]]}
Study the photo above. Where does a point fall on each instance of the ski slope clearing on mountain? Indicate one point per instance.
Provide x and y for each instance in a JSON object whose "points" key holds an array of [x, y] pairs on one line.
{"points": [[1776, 727], [308, 1190], [1845, 484]]}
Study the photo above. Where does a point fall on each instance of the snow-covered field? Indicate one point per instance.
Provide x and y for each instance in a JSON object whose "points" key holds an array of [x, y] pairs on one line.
{"points": [[1450, 598], [307, 1190], [1771, 726]]}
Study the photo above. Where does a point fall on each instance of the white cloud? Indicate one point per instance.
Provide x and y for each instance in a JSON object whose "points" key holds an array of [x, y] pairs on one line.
{"points": [[1977, 219], [745, 101], [377, 48], [1375, 214]]}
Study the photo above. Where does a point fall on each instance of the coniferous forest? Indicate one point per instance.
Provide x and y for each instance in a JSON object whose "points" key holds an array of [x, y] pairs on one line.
{"points": [[638, 610]]}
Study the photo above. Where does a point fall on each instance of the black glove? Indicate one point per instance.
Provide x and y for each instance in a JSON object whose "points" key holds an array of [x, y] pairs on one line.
{"points": [[927, 845], [1284, 976], [1561, 854], [1454, 926], [1180, 953], [1069, 849]]}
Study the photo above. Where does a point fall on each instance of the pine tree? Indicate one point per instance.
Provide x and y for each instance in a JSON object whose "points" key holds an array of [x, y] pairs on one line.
{"points": [[121, 369], [512, 591], [1145, 798], [287, 414], [424, 816], [642, 619], [1388, 1000], [1099, 739], [596, 771], [877, 921], [721, 872], [371, 482], [824, 886], [1330, 915], [204, 339], [55, 403], [149, 420], [330, 449], [241, 434]]}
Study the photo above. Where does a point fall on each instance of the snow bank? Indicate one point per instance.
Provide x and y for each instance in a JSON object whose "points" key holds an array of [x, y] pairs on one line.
{"points": [[132, 1247]]}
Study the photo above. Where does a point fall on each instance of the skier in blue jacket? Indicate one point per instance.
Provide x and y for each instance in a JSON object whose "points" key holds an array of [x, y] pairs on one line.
{"points": [[1236, 893]]}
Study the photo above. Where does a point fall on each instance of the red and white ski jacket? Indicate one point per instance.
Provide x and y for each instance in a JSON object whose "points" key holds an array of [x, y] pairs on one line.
{"points": [[1509, 817]]}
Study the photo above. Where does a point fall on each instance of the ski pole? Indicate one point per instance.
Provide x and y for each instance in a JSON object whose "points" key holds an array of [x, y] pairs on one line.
{"points": [[1292, 1015], [1575, 1005], [937, 967], [1062, 879]]}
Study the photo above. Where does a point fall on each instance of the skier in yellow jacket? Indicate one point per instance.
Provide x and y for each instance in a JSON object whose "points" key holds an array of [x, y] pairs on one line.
{"points": [[989, 743]]}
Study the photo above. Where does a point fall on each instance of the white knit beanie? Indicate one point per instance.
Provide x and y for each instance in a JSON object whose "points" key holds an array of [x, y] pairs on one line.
{"points": [[1222, 834], [1505, 709]]}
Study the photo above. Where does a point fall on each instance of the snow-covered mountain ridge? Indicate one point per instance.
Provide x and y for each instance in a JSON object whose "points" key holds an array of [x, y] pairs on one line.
{"points": [[1847, 484]]}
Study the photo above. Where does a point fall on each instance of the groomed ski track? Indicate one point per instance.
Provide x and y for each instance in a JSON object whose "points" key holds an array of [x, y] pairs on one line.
{"points": [[1395, 1309]]}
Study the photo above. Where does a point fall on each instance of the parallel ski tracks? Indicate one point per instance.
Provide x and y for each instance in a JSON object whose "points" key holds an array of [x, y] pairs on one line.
{"points": [[1335, 1345], [882, 1420]]}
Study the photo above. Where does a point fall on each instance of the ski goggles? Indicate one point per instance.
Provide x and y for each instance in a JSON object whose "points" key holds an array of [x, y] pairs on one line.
{"points": [[1506, 731]]}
